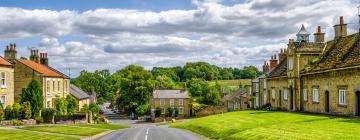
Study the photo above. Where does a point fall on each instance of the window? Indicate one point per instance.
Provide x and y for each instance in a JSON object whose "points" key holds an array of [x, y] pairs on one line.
{"points": [[305, 94], [291, 63], [315, 94], [162, 110], [48, 104], [265, 99], [171, 102], [181, 102], [257, 87], [285, 94], [58, 85], [181, 110], [162, 102], [65, 85], [342, 97], [273, 93], [47, 86], [3, 80], [3, 101], [53, 86]]}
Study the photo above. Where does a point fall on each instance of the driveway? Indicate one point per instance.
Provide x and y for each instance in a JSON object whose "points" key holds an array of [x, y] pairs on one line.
{"points": [[146, 131]]}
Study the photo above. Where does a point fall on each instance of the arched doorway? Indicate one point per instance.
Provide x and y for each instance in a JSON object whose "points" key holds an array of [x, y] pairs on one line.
{"points": [[327, 102], [358, 103]]}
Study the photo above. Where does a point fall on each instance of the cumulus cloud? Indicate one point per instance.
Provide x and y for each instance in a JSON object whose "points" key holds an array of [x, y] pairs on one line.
{"points": [[226, 35]]}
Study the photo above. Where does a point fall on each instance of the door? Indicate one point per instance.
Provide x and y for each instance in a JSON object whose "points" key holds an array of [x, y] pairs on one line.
{"points": [[280, 98], [358, 103], [291, 100], [327, 102]]}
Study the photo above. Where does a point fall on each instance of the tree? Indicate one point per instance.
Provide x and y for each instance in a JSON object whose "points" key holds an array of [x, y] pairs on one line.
{"points": [[61, 106], [164, 82], [26, 109], [136, 87], [34, 95], [72, 104], [143, 110], [9, 112], [158, 112], [16, 110]]}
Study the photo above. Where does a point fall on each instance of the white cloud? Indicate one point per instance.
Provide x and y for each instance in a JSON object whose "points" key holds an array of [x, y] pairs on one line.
{"points": [[226, 35]]}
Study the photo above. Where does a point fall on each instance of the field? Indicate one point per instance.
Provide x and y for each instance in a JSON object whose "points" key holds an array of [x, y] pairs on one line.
{"points": [[272, 125], [230, 86], [16, 135]]}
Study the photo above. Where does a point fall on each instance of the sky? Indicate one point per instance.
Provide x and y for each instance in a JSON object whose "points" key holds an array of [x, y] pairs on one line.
{"points": [[111, 34]]}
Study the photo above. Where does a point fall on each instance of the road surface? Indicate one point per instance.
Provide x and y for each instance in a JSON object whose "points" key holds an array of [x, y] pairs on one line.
{"points": [[145, 131]]}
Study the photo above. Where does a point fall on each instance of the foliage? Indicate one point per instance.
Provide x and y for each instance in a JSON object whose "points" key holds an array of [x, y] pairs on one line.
{"points": [[34, 95], [16, 110], [136, 87], [48, 114], [72, 104], [100, 80], [2, 113], [26, 110], [143, 110], [158, 112], [39, 119], [94, 108], [9, 114], [170, 111], [164, 82], [203, 92], [85, 108], [61, 106], [16, 122], [196, 107], [176, 111]]}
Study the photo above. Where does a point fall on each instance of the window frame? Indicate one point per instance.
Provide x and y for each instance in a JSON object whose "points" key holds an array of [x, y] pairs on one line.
{"points": [[285, 96], [315, 95], [3, 78], [181, 110], [273, 92], [342, 97], [172, 102], [162, 102], [180, 102], [3, 103], [305, 94], [162, 110]]}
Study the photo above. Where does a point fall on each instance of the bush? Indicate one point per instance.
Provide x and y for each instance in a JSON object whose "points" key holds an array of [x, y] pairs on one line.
{"points": [[171, 111], [158, 112], [9, 112], [39, 119], [26, 110], [60, 106], [176, 111], [17, 122], [72, 104], [16, 110], [94, 108], [2, 114], [143, 110], [48, 114]]}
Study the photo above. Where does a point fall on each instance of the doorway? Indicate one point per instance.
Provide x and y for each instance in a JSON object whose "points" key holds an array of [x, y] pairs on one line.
{"points": [[280, 98], [291, 98], [358, 103], [327, 102]]}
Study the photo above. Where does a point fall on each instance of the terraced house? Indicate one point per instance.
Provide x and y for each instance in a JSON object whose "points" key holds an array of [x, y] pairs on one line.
{"points": [[54, 83], [6, 83], [319, 76]]}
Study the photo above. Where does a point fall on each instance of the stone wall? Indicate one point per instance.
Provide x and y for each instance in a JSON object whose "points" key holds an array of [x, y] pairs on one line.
{"points": [[8, 89], [22, 77], [278, 85]]}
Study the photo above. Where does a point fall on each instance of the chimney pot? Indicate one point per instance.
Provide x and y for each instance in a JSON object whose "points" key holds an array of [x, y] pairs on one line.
{"points": [[341, 20], [275, 56], [319, 29]]}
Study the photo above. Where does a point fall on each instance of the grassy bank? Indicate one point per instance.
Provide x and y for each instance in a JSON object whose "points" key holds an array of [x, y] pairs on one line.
{"points": [[272, 125], [20, 135]]}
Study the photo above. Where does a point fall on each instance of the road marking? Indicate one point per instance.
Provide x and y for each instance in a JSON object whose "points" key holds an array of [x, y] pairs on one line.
{"points": [[147, 132]]}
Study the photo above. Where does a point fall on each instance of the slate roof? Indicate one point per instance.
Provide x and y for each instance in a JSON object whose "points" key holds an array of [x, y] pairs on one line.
{"points": [[279, 70], [45, 70], [237, 95], [341, 53], [173, 94], [4, 62], [303, 30], [78, 93]]}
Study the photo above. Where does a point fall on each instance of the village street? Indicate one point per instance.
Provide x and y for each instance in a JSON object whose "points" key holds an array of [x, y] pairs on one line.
{"points": [[146, 131]]}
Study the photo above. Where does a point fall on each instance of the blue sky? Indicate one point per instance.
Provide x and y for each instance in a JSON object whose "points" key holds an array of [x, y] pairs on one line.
{"points": [[111, 34]]}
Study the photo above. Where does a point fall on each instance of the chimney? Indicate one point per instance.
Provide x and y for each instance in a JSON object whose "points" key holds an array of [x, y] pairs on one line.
{"points": [[282, 54], [44, 59], [273, 62], [340, 29], [319, 37], [266, 67], [34, 55], [10, 53]]}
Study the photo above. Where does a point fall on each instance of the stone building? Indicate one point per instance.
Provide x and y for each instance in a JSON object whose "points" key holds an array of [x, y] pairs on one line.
{"points": [[242, 99], [54, 83], [171, 99], [81, 96], [318, 76], [6, 83]]}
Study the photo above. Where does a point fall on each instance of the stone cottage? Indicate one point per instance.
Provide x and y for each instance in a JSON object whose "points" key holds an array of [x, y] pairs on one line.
{"points": [[6, 83], [171, 99]]}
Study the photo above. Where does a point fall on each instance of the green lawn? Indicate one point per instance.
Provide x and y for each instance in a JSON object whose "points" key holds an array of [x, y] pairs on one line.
{"points": [[104, 126], [272, 125], [21, 135]]}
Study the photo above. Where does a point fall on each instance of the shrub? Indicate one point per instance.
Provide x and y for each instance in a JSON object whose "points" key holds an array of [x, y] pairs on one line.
{"points": [[72, 104], [17, 122], [143, 110], [61, 106], [158, 112], [2, 114], [171, 111], [176, 111], [17, 110], [48, 114], [9, 112], [26, 110], [94, 108], [34, 95], [39, 119]]}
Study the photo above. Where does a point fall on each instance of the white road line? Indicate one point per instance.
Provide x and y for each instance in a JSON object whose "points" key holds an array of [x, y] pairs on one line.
{"points": [[147, 132]]}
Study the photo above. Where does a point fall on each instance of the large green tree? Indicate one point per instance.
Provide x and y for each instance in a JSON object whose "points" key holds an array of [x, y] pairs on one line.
{"points": [[72, 104], [34, 95], [61, 106], [136, 87]]}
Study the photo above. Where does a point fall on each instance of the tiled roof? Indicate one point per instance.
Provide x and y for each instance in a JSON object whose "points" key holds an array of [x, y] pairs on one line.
{"points": [[171, 94], [78, 93], [45, 70], [340, 53], [4, 62], [279, 70]]}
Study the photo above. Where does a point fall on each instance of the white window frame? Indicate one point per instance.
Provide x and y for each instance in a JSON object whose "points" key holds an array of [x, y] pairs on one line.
{"points": [[257, 87], [172, 102], [315, 94], [162, 102], [291, 63], [3, 85], [181, 110], [285, 94], [273, 94], [3, 103], [48, 86], [181, 102], [342, 97], [305, 94], [162, 110]]}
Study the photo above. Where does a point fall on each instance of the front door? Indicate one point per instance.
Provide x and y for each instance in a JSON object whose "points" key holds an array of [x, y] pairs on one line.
{"points": [[327, 102], [291, 98], [358, 103], [280, 98]]}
